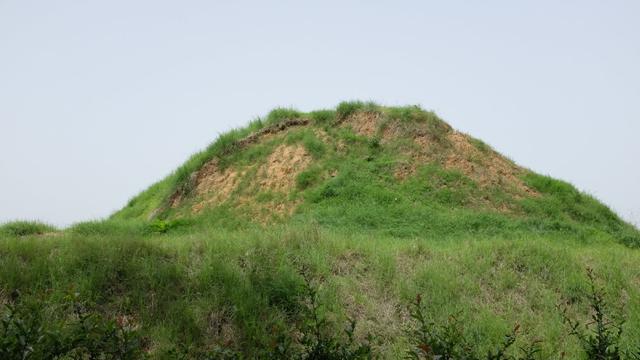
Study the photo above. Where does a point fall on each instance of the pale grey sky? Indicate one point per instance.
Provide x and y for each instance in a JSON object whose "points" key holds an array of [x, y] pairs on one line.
{"points": [[99, 99]]}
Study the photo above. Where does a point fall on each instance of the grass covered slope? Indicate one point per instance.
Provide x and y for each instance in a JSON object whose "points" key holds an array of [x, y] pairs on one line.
{"points": [[272, 240], [399, 170], [247, 290]]}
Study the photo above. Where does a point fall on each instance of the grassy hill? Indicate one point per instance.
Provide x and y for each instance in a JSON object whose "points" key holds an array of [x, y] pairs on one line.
{"points": [[272, 239]]}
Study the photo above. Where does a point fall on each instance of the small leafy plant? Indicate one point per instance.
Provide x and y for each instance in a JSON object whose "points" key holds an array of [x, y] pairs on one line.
{"points": [[317, 341], [600, 338], [84, 334], [430, 340]]}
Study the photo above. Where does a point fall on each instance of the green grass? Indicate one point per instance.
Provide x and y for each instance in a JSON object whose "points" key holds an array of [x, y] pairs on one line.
{"points": [[344, 109], [367, 241], [364, 195], [24, 228], [238, 286]]}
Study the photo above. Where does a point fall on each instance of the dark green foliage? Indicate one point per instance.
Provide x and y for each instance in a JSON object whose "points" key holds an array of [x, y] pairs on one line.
{"points": [[430, 340], [311, 337], [634, 354], [182, 352], [24, 228], [21, 332], [308, 178], [501, 352], [630, 236], [601, 337], [25, 333], [319, 341], [374, 144]]}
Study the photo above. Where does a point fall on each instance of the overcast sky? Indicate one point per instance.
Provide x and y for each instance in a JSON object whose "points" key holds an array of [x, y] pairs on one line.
{"points": [[99, 99]]}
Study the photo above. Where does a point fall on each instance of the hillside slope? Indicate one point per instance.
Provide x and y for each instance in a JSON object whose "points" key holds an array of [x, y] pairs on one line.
{"points": [[399, 170]]}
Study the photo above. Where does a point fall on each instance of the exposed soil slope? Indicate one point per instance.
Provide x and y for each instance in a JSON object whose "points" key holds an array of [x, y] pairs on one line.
{"points": [[369, 166]]}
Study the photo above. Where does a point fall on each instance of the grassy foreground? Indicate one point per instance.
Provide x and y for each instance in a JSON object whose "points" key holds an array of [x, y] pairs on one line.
{"points": [[237, 289]]}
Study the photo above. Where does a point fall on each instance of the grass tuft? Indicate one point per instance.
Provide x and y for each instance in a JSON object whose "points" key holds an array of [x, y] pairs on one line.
{"points": [[347, 108], [25, 228], [281, 114]]}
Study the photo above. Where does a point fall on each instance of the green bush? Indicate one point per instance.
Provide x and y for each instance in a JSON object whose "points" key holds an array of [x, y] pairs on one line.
{"points": [[430, 340], [26, 333], [307, 178], [601, 337]]}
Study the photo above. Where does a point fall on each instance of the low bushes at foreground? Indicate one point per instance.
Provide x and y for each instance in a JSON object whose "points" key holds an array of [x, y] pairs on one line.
{"points": [[76, 329]]}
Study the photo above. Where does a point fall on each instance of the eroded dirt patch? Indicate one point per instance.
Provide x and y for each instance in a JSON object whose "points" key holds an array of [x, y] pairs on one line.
{"points": [[282, 167], [423, 152], [214, 185], [364, 123], [487, 168], [240, 186]]}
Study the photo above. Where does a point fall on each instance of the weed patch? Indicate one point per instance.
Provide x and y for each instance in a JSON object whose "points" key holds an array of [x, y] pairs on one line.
{"points": [[25, 228]]}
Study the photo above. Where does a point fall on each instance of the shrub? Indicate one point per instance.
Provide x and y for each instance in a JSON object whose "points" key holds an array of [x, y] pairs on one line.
{"points": [[26, 334], [600, 339], [319, 341], [430, 340]]}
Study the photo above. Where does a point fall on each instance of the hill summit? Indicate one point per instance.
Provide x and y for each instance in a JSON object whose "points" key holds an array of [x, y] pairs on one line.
{"points": [[400, 170]]}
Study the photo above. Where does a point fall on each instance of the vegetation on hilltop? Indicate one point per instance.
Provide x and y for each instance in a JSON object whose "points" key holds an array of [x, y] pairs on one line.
{"points": [[399, 170]]}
